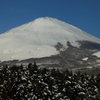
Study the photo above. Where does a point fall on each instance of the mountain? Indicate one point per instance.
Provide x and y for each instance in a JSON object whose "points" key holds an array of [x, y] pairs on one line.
{"points": [[47, 38]]}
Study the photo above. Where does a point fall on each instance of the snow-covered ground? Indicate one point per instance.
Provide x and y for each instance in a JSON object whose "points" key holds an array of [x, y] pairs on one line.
{"points": [[85, 59], [38, 37], [97, 54]]}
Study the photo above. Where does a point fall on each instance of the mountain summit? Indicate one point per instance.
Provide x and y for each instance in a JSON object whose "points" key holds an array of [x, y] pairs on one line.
{"points": [[41, 38]]}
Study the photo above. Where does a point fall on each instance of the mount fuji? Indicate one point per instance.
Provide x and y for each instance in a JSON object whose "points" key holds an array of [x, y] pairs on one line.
{"points": [[45, 37]]}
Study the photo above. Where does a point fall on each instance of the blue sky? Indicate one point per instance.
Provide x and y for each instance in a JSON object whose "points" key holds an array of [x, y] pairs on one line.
{"points": [[84, 14]]}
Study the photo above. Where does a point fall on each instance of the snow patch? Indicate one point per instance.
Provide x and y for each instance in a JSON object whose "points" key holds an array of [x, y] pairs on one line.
{"points": [[98, 60], [85, 59], [97, 54], [89, 67]]}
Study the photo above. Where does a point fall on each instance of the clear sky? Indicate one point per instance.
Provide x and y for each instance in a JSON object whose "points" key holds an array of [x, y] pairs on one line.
{"points": [[84, 14]]}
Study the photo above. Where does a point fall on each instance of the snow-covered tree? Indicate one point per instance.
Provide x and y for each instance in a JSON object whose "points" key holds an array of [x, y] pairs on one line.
{"points": [[31, 83], [16, 84]]}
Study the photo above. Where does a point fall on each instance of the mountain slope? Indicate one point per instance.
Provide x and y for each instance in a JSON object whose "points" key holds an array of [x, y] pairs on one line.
{"points": [[38, 39]]}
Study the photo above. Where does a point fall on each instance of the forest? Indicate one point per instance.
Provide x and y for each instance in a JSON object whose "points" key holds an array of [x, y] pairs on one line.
{"points": [[33, 83]]}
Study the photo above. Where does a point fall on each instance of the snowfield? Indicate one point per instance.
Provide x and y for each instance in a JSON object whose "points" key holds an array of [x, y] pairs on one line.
{"points": [[37, 39]]}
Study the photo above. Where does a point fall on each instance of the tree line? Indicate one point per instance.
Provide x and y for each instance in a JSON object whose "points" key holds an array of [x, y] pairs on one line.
{"points": [[32, 83]]}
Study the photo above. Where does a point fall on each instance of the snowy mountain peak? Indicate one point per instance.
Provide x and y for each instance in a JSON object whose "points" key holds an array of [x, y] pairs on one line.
{"points": [[45, 18], [38, 39]]}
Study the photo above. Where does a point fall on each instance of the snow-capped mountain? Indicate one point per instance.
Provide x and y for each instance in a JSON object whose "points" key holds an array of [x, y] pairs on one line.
{"points": [[40, 38]]}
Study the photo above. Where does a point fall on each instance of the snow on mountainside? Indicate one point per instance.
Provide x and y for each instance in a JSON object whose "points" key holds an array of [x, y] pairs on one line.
{"points": [[97, 54], [37, 39]]}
